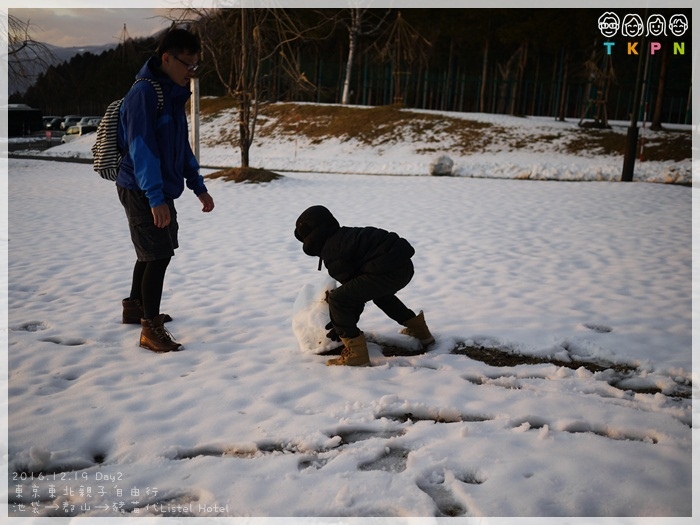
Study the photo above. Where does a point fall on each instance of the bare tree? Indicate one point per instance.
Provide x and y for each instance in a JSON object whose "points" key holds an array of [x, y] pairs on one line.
{"points": [[25, 56], [510, 73], [238, 42], [362, 22], [403, 47], [600, 75]]}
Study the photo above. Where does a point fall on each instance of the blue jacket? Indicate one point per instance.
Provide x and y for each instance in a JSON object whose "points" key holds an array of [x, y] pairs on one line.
{"points": [[158, 158]]}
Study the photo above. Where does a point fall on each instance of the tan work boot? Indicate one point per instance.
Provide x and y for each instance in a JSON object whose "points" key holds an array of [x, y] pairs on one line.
{"points": [[155, 337], [417, 328], [355, 353], [132, 312]]}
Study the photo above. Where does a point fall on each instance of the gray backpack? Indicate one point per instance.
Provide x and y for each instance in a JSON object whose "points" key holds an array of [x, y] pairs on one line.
{"points": [[105, 152]]}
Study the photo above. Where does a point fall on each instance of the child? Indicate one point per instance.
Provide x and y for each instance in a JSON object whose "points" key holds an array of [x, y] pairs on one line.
{"points": [[370, 264]]}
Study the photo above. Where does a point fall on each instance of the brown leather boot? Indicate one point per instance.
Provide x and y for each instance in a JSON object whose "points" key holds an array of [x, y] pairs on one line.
{"points": [[355, 353], [417, 328], [155, 337], [132, 312]]}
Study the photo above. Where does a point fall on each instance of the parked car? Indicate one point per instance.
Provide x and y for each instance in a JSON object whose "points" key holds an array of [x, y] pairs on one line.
{"points": [[89, 121], [74, 132], [52, 122], [70, 120]]}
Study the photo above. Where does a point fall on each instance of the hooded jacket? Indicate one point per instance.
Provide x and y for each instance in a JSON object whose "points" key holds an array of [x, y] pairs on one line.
{"points": [[157, 157], [348, 252]]}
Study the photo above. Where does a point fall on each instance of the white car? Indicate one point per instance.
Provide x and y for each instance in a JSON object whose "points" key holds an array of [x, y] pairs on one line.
{"points": [[89, 121], [74, 132], [70, 120]]}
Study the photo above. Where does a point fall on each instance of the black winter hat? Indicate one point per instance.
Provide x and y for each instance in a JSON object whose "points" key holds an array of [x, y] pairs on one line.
{"points": [[313, 227]]}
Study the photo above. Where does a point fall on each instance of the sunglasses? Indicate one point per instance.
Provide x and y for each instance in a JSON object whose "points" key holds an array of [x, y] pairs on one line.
{"points": [[190, 67]]}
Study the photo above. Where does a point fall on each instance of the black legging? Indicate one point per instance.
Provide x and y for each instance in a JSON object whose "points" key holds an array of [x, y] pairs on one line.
{"points": [[147, 285]]}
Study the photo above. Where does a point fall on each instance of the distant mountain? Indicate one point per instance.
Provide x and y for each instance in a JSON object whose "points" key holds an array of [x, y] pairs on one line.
{"points": [[57, 56]]}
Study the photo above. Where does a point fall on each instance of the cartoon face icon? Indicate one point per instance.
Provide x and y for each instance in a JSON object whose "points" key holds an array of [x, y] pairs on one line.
{"points": [[609, 24], [678, 24], [632, 25], [656, 25]]}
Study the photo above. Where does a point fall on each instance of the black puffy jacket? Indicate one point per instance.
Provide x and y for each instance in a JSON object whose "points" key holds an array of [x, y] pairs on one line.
{"points": [[348, 252]]}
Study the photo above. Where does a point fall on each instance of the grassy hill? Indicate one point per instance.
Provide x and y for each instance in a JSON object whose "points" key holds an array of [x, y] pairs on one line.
{"points": [[465, 133]]}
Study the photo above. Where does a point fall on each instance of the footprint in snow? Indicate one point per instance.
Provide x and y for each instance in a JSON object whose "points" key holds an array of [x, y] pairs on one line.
{"points": [[31, 326], [393, 460], [64, 342], [598, 328], [433, 485]]}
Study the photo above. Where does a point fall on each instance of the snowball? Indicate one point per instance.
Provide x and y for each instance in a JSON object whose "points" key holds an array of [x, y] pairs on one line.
{"points": [[441, 166], [310, 316]]}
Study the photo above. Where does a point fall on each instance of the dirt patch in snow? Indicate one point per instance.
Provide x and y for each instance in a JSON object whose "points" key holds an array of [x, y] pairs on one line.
{"points": [[252, 175]]}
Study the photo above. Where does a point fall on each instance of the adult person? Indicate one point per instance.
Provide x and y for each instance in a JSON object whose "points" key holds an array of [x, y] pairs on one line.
{"points": [[157, 163]]}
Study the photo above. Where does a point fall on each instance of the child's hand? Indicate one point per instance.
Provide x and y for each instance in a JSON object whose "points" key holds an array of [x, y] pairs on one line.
{"points": [[332, 335]]}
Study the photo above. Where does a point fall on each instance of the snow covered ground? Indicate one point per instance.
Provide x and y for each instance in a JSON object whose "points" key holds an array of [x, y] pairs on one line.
{"points": [[245, 424], [541, 154]]}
